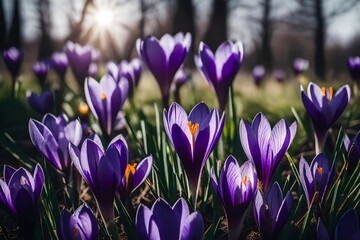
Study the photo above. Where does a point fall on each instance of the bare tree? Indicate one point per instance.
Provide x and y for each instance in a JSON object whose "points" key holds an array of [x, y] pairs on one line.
{"points": [[46, 43], [2, 26], [14, 37]]}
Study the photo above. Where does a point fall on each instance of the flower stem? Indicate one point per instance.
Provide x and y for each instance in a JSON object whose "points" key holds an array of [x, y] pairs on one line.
{"points": [[320, 138]]}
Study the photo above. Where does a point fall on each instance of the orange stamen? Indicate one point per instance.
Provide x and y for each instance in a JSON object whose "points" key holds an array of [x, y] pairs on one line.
{"points": [[323, 89], [103, 96], [245, 180], [320, 170], [129, 172], [331, 92], [193, 130], [75, 232], [260, 185]]}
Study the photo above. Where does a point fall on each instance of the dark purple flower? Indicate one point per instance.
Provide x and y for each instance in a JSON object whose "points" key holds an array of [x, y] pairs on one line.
{"points": [[105, 100], [352, 148], [135, 175], [219, 70], [40, 70], [52, 136], [353, 64], [236, 189], [324, 108], [42, 104], [316, 177], [271, 213], [193, 137], [321, 231], [59, 62], [266, 147], [165, 222], [181, 77], [258, 74], [102, 170], [79, 58], [348, 226], [164, 57], [300, 65], [279, 75], [80, 225], [13, 58]]}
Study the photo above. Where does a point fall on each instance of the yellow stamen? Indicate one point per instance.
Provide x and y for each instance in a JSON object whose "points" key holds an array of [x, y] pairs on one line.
{"points": [[129, 172], [319, 169], [83, 109], [193, 130], [325, 93], [245, 180], [260, 185], [331, 92], [103, 96], [75, 232]]}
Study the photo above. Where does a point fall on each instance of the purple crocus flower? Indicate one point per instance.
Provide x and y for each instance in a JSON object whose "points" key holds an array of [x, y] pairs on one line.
{"points": [[271, 212], [266, 147], [59, 62], [135, 174], [40, 70], [181, 77], [164, 57], [52, 136], [353, 64], [236, 188], [316, 177], [279, 75], [13, 58], [352, 148], [166, 222], [105, 99], [193, 137], [348, 226], [79, 58], [220, 69], [43, 103], [102, 170], [300, 65], [324, 108], [93, 69], [258, 74], [80, 225], [20, 192]]}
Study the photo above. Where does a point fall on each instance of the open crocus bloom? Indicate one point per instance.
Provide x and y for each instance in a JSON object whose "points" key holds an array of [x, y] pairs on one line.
{"points": [[80, 225], [236, 189], [316, 177], [324, 107], [164, 57], [164, 222], [105, 99], [193, 137], [266, 147], [220, 69], [271, 212]]}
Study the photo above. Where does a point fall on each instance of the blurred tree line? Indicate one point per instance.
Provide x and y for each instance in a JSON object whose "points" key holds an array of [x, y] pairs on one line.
{"points": [[280, 26]]}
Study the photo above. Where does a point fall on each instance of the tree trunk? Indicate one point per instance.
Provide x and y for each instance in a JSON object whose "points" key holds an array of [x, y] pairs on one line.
{"points": [[265, 52], [217, 32], [319, 40], [2, 27], [46, 46], [14, 37]]}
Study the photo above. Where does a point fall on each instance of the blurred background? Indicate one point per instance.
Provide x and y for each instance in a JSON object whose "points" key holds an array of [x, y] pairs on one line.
{"points": [[274, 32]]}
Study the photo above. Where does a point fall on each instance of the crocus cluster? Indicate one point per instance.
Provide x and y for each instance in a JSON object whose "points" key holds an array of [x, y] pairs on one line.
{"points": [[266, 147], [236, 189], [164, 57], [163, 221], [324, 107], [258, 74], [193, 137], [220, 69]]}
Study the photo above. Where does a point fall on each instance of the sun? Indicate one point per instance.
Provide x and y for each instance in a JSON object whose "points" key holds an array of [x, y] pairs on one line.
{"points": [[104, 18]]}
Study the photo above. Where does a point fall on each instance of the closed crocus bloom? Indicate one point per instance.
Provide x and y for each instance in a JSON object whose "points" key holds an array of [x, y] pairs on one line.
{"points": [[81, 225], [164, 57], [59, 62], [43, 103], [353, 64], [271, 213], [316, 177], [193, 137], [279, 75], [93, 69], [164, 222], [20, 192], [13, 58], [348, 226], [40, 70], [181, 77], [220, 69], [300, 65], [102, 170], [258, 74], [105, 100], [236, 189], [80, 58], [352, 148], [266, 147], [52, 136], [324, 107], [135, 174]]}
